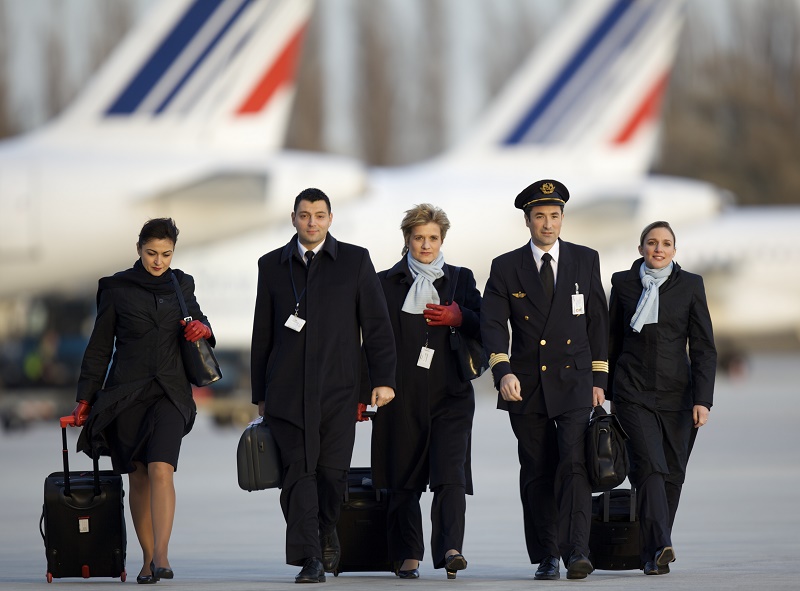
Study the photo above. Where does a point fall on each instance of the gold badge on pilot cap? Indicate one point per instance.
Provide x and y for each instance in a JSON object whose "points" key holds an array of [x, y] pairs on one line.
{"points": [[544, 192]]}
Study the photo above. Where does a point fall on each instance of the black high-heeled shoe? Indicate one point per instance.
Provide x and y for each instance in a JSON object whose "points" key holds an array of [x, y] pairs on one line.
{"points": [[453, 563], [161, 572], [145, 579]]}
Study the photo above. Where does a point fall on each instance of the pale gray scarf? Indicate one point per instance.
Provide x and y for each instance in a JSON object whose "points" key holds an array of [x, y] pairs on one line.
{"points": [[422, 290], [647, 308]]}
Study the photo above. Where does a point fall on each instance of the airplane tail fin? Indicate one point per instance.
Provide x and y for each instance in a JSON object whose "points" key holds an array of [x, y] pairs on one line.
{"points": [[197, 72], [591, 88]]}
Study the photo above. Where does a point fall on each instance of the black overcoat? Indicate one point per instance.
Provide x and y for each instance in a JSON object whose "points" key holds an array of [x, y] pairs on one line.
{"points": [[310, 377], [553, 349], [652, 368], [138, 331], [401, 431]]}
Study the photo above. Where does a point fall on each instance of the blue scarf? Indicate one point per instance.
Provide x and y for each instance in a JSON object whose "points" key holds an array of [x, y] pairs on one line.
{"points": [[422, 290], [647, 308]]}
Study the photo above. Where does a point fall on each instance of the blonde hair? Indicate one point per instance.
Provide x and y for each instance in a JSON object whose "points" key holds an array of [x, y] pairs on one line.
{"points": [[422, 214]]}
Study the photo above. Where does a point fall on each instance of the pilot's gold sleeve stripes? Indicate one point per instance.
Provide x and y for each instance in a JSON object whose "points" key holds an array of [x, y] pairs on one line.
{"points": [[496, 358], [600, 366]]}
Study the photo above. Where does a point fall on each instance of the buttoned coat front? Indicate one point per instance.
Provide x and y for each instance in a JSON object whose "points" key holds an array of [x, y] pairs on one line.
{"points": [[311, 377], [138, 331], [652, 368], [401, 433], [553, 350]]}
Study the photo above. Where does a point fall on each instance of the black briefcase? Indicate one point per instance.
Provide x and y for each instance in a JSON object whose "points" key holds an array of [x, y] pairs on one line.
{"points": [[362, 526], [614, 535], [258, 460], [83, 522]]}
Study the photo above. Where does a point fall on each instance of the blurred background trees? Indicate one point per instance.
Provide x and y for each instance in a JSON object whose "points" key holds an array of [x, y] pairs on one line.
{"points": [[397, 81]]}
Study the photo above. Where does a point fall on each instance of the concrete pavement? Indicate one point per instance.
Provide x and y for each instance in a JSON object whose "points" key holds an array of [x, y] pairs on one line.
{"points": [[738, 526]]}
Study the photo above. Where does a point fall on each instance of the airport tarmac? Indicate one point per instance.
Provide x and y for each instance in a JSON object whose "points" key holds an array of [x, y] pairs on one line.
{"points": [[738, 526]]}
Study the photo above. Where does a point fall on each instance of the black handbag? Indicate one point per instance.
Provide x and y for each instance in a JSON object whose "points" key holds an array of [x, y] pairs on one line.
{"points": [[606, 452], [199, 361], [471, 358]]}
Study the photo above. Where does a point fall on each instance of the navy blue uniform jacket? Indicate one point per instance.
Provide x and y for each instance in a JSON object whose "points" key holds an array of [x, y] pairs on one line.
{"points": [[652, 368], [313, 376], [553, 349]]}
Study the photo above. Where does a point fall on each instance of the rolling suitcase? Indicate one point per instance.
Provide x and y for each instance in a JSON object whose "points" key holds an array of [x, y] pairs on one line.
{"points": [[362, 526], [614, 534], [83, 521], [258, 461]]}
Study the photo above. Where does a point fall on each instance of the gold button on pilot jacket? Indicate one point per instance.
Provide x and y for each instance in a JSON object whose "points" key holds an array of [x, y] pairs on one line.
{"points": [[569, 341], [542, 342], [544, 368], [526, 317]]}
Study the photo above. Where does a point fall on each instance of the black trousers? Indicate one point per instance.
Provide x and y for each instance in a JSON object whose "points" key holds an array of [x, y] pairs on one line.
{"points": [[659, 445], [554, 486], [404, 523], [311, 501]]}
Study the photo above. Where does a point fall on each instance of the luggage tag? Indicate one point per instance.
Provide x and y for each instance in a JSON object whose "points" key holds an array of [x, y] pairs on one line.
{"points": [[577, 302], [294, 321]]}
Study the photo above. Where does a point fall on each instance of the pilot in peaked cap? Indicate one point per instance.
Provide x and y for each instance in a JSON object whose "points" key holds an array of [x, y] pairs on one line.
{"points": [[545, 192]]}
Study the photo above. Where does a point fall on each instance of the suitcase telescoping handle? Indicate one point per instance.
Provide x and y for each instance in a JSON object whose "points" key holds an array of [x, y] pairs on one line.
{"points": [[69, 421]]}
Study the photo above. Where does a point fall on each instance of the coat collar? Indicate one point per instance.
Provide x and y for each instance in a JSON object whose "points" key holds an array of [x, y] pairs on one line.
{"points": [[330, 246], [532, 283]]}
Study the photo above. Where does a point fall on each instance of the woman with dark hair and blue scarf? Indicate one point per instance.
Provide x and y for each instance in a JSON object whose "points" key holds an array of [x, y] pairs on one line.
{"points": [[662, 365]]}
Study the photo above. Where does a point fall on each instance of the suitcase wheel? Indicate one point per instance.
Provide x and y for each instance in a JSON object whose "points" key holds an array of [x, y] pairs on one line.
{"points": [[49, 577], [123, 576]]}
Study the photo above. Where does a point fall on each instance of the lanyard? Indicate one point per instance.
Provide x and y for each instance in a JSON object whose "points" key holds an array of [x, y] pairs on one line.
{"points": [[297, 298]]}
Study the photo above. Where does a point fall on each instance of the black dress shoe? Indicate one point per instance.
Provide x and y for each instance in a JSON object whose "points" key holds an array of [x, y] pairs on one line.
{"points": [[578, 566], [160, 572], [145, 579], [331, 551], [664, 556], [651, 568], [548, 570], [312, 572], [408, 574], [453, 563]]}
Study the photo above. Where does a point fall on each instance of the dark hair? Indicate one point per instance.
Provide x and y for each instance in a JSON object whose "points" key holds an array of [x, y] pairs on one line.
{"points": [[527, 210], [653, 226], [158, 229], [312, 195]]}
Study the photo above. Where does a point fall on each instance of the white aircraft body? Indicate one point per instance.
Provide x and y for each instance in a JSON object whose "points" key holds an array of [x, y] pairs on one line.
{"points": [[186, 119], [583, 109]]}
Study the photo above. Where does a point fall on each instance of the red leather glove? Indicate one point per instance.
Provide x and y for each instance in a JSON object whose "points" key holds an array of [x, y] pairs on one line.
{"points": [[438, 315], [361, 408], [81, 412], [195, 331]]}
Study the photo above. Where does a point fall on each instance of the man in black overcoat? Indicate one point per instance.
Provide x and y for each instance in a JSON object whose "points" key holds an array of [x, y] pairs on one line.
{"points": [[551, 294], [317, 297]]}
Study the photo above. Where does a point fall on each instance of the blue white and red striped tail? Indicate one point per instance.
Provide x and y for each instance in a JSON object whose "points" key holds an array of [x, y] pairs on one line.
{"points": [[593, 86], [209, 72]]}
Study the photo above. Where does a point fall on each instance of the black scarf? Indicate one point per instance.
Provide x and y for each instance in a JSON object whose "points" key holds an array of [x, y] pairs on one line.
{"points": [[139, 277]]}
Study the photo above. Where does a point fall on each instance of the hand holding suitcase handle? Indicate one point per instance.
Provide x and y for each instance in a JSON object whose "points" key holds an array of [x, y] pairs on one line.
{"points": [[78, 416]]}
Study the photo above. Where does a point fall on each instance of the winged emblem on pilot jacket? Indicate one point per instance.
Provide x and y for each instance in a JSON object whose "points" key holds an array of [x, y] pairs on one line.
{"points": [[518, 294]]}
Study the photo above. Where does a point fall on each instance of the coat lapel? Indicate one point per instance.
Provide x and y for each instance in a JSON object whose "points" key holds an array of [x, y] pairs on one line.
{"points": [[531, 283]]}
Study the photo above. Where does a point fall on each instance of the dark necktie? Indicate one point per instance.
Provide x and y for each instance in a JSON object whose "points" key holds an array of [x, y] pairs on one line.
{"points": [[546, 273], [309, 255]]}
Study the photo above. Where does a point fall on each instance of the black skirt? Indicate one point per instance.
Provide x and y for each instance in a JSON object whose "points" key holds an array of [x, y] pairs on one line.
{"points": [[149, 430]]}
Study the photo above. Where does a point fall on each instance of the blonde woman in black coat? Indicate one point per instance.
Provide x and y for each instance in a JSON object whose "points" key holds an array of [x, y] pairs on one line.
{"points": [[661, 394], [423, 439], [138, 410]]}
